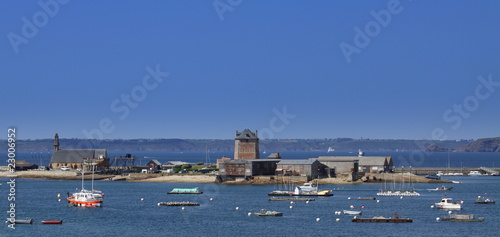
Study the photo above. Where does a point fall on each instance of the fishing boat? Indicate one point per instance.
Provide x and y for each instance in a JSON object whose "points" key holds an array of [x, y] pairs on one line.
{"points": [[52, 222], [20, 221], [85, 197], [442, 188], [381, 219], [447, 203], [483, 200], [307, 189], [265, 212], [366, 198], [462, 218], [185, 191], [350, 212]]}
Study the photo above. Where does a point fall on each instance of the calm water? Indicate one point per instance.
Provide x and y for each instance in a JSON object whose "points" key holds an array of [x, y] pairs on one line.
{"points": [[124, 214]]}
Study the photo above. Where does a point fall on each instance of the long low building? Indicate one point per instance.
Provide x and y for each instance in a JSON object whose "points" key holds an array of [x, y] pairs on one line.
{"points": [[368, 164], [244, 168]]}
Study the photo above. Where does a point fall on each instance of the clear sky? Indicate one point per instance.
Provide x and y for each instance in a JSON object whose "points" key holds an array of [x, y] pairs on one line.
{"points": [[290, 69]]}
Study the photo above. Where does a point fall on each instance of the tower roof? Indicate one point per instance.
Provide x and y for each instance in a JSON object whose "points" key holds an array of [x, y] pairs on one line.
{"points": [[246, 134]]}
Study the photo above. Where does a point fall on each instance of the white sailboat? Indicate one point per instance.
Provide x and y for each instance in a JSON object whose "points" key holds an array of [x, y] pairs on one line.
{"points": [[402, 192], [85, 197]]}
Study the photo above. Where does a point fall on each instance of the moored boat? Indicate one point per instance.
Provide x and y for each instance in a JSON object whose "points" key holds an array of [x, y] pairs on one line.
{"points": [[350, 212], [447, 203], [366, 198], [20, 221], [178, 204], [85, 197], [185, 191], [52, 222], [381, 219], [483, 200], [463, 218], [265, 212], [295, 199], [442, 188]]}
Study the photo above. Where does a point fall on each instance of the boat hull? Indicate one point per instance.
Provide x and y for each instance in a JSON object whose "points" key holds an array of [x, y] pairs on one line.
{"points": [[385, 220], [52, 222]]}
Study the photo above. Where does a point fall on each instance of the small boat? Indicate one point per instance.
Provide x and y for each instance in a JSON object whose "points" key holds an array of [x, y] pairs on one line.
{"points": [[265, 212], [475, 173], [442, 188], [447, 203], [86, 197], [291, 199], [348, 212], [463, 218], [178, 204], [366, 198], [20, 221], [185, 191], [433, 176], [52, 222], [483, 200], [381, 219]]}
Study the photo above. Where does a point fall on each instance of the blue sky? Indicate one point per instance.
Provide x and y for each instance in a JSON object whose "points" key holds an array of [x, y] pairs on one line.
{"points": [[290, 69]]}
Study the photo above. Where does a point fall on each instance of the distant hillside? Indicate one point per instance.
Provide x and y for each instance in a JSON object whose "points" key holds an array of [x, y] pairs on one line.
{"points": [[482, 145], [339, 144]]}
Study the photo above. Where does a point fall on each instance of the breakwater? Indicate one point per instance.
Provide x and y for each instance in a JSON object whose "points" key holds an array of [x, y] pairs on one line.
{"points": [[445, 170]]}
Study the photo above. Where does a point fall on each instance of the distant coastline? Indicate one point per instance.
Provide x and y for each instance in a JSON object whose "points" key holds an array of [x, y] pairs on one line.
{"points": [[338, 144]]}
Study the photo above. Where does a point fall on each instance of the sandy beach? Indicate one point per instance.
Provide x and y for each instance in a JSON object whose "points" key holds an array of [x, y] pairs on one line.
{"points": [[201, 178]]}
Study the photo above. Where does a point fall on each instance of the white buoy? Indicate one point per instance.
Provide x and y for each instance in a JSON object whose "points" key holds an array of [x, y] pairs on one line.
{"points": [[183, 208], [142, 199], [158, 204], [291, 207], [401, 197], [352, 207], [432, 206], [237, 208], [291, 202], [462, 202], [449, 212], [317, 219], [211, 199], [348, 198], [337, 220], [307, 202], [249, 214], [59, 200], [438, 219], [378, 200]]}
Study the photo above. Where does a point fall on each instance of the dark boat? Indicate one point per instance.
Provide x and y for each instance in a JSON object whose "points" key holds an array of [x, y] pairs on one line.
{"points": [[483, 200], [291, 199], [380, 219], [178, 204], [265, 212], [366, 198], [52, 222], [463, 218]]}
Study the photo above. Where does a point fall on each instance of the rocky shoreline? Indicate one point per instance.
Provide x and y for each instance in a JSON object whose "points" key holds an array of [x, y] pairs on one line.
{"points": [[203, 178]]}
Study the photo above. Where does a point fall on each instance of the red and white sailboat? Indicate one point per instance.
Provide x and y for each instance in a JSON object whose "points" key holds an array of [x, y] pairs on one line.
{"points": [[85, 197]]}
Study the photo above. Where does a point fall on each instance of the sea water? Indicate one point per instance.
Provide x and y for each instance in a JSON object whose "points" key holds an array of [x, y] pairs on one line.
{"points": [[130, 209]]}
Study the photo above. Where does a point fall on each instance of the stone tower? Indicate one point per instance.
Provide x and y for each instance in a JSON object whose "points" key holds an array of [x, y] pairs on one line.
{"points": [[246, 145], [56, 142]]}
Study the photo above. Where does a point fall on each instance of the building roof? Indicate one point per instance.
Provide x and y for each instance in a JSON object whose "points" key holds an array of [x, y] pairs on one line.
{"points": [[175, 163], [155, 162], [296, 162], [246, 134], [77, 155], [275, 155]]}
